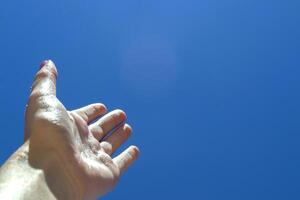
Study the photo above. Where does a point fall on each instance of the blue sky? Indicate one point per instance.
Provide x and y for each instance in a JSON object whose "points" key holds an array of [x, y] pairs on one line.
{"points": [[211, 87]]}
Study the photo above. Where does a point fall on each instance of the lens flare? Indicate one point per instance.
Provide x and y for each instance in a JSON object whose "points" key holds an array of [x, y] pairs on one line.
{"points": [[148, 66]]}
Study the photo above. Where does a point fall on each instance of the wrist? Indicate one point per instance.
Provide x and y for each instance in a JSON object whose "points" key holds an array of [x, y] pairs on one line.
{"points": [[60, 180], [56, 171], [19, 180]]}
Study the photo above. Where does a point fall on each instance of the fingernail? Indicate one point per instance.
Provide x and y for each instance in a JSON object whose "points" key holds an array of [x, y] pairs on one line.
{"points": [[43, 63]]}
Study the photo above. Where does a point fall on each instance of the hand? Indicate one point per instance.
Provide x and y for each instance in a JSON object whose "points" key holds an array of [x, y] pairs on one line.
{"points": [[74, 152]]}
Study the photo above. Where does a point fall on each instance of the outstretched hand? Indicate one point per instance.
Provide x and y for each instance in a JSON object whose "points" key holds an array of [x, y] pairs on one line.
{"points": [[71, 147]]}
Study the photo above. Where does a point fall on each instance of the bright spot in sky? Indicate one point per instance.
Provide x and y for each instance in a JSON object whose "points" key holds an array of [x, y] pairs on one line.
{"points": [[148, 66]]}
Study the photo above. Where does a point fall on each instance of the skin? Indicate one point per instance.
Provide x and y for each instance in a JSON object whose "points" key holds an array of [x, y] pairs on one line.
{"points": [[66, 154]]}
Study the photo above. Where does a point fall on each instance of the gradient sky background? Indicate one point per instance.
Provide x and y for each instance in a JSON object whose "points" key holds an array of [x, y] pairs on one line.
{"points": [[211, 87]]}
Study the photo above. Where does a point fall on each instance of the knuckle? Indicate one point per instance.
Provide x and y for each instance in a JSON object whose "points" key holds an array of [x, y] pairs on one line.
{"points": [[97, 131], [107, 147], [42, 101], [83, 114], [129, 155], [42, 74], [46, 73], [125, 161], [34, 96], [105, 159], [92, 111]]}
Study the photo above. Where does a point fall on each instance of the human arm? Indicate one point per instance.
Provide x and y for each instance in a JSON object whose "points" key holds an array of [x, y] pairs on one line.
{"points": [[69, 154]]}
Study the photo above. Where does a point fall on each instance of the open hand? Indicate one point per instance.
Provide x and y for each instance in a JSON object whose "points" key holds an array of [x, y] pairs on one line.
{"points": [[73, 150]]}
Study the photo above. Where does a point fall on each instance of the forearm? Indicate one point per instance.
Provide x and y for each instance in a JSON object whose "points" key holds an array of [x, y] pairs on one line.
{"points": [[19, 180]]}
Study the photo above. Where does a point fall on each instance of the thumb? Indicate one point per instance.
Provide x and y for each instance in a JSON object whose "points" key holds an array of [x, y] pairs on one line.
{"points": [[44, 83]]}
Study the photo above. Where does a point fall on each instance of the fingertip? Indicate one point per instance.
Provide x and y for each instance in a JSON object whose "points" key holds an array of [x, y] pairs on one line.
{"points": [[127, 158], [127, 129], [43, 63], [101, 107], [121, 114], [134, 150], [52, 66], [49, 66]]}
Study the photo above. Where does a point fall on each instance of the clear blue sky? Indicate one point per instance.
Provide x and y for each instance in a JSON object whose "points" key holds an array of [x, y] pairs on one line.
{"points": [[211, 87]]}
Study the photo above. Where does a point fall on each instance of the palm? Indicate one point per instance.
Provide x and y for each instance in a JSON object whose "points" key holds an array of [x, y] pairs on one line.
{"points": [[71, 138]]}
